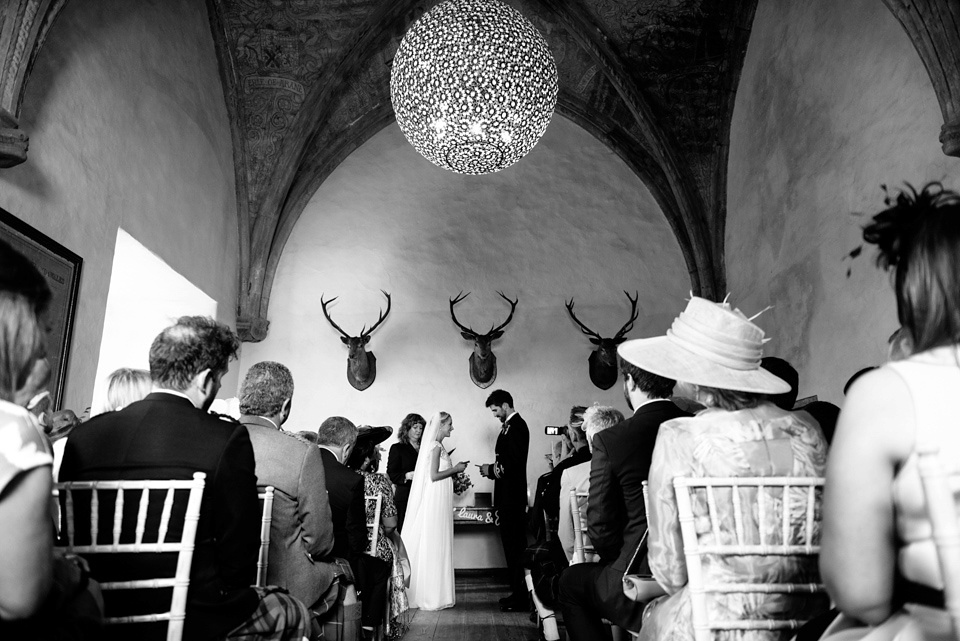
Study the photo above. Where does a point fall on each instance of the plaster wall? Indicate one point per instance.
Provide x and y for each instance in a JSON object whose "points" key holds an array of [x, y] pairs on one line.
{"points": [[570, 220], [128, 128], [833, 103]]}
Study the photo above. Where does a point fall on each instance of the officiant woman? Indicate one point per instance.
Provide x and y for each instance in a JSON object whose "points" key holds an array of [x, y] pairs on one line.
{"points": [[403, 459]]}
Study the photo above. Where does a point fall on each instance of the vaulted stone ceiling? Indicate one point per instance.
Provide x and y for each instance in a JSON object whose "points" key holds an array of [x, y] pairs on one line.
{"points": [[306, 82]]}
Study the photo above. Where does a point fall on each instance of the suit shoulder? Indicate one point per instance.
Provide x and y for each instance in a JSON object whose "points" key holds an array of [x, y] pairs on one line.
{"points": [[613, 434], [674, 411], [224, 417], [222, 432]]}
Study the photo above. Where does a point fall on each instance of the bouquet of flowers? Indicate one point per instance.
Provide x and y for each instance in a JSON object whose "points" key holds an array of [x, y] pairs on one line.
{"points": [[461, 483]]}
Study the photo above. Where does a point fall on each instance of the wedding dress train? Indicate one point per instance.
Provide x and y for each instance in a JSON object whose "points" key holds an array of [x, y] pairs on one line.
{"points": [[428, 528]]}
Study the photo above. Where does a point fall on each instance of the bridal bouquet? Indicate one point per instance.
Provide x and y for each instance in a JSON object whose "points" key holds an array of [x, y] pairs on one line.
{"points": [[461, 483]]}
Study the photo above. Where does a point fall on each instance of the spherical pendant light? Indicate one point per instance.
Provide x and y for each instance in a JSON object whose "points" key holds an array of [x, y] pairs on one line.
{"points": [[473, 86]]}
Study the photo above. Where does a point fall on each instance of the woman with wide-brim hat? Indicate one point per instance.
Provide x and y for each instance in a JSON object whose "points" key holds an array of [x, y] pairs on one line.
{"points": [[713, 351], [365, 459]]}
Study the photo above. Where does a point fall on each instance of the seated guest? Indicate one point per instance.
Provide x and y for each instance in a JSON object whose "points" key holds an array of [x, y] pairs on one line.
{"points": [[616, 515], [125, 386], [559, 450], [365, 459], [714, 352], [170, 435], [336, 438], [595, 419], [878, 557], [546, 501], [822, 413], [43, 594], [301, 533], [545, 558], [403, 459], [826, 415], [786, 373]]}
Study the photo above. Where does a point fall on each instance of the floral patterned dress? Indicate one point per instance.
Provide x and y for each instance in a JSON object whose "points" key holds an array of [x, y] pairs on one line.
{"points": [[396, 623], [762, 441]]}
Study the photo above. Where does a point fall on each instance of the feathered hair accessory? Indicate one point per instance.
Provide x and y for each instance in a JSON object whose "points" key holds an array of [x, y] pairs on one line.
{"points": [[894, 229]]}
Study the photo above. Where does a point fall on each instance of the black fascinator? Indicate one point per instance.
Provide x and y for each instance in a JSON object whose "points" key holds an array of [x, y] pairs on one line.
{"points": [[894, 229]]}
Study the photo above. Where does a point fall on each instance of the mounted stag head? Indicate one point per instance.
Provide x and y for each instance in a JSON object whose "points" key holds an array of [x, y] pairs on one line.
{"points": [[483, 362], [361, 364], [603, 360]]}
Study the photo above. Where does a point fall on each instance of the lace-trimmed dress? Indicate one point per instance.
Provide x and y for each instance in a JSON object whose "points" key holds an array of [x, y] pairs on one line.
{"points": [[428, 536], [762, 441]]}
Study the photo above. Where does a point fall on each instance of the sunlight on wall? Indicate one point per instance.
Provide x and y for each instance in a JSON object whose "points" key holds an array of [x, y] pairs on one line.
{"points": [[145, 296]]}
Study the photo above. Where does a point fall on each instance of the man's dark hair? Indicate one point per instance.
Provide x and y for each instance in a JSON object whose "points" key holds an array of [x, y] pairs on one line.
{"points": [[266, 386], [337, 431], [787, 373], [498, 398], [653, 385], [826, 414], [186, 348]]}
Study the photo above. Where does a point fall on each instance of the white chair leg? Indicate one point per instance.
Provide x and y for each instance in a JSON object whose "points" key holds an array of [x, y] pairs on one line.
{"points": [[548, 620]]}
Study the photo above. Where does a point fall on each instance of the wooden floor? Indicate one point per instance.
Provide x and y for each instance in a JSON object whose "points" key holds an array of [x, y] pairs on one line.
{"points": [[476, 617]]}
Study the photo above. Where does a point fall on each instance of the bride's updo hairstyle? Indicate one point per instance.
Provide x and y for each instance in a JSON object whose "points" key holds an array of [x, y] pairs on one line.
{"points": [[918, 236]]}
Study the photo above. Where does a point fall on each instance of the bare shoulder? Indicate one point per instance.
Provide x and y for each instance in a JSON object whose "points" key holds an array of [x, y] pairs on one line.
{"points": [[879, 409]]}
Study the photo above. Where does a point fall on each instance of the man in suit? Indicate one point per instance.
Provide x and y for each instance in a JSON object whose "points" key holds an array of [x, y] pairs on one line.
{"points": [[336, 438], [616, 514], [301, 532], [170, 435], [509, 472]]}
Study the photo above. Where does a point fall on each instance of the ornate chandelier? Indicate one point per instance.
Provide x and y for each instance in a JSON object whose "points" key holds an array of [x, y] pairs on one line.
{"points": [[473, 86]]}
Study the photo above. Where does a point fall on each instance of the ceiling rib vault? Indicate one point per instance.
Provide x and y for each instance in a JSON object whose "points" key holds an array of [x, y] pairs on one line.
{"points": [[306, 83]]}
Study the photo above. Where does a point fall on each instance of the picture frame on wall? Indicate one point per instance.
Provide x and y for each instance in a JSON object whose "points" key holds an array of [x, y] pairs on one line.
{"points": [[61, 267]]}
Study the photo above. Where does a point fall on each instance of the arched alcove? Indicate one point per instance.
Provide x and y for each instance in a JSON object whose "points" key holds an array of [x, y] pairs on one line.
{"points": [[570, 220]]}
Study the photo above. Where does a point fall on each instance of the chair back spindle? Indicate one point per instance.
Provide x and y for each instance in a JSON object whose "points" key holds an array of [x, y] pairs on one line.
{"points": [[266, 522], [938, 492], [581, 551], [749, 539], [374, 524], [183, 545]]}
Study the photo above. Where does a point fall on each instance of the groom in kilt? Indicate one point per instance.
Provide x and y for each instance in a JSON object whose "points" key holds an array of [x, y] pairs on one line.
{"points": [[509, 474]]}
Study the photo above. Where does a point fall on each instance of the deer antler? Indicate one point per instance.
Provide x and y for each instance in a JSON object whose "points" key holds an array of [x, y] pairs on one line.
{"points": [[513, 306], [454, 301], [583, 328], [324, 304], [634, 314], [383, 316]]}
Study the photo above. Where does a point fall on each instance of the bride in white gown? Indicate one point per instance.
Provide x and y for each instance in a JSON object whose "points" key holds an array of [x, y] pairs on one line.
{"points": [[428, 524]]}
